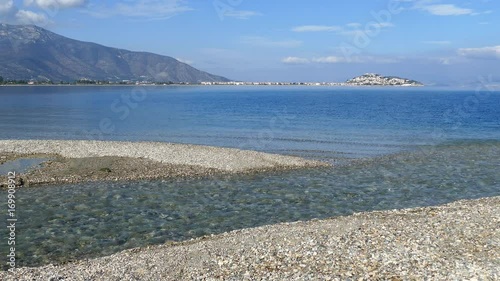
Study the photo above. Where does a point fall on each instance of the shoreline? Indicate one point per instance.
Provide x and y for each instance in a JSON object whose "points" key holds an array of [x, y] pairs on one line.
{"points": [[459, 240], [89, 161], [202, 85]]}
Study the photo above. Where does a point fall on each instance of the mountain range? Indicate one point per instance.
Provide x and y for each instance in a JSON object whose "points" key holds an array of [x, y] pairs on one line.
{"points": [[31, 52]]}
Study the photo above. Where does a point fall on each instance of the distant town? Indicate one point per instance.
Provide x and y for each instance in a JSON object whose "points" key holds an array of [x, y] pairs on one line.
{"points": [[369, 79]]}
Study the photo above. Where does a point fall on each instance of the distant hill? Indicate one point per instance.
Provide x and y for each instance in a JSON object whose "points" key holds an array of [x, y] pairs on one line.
{"points": [[31, 52], [372, 79]]}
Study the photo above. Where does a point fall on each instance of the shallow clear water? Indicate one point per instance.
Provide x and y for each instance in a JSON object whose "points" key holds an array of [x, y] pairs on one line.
{"points": [[21, 165], [394, 148], [60, 223]]}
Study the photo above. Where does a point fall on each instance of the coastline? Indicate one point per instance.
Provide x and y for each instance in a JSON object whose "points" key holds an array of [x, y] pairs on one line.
{"points": [[459, 240], [81, 161]]}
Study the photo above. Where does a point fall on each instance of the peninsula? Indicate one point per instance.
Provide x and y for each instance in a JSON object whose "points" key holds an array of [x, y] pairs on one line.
{"points": [[80, 161]]}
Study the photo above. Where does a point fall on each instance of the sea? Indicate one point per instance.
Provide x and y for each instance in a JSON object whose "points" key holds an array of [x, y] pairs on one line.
{"points": [[390, 148]]}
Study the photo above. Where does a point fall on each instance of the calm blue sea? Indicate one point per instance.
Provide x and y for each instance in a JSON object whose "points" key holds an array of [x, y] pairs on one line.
{"points": [[393, 148], [318, 122]]}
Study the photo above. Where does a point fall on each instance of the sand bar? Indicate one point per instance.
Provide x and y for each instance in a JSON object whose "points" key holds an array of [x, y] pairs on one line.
{"points": [[76, 161]]}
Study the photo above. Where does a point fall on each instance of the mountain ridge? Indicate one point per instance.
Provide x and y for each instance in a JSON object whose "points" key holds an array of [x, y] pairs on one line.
{"points": [[31, 52]]}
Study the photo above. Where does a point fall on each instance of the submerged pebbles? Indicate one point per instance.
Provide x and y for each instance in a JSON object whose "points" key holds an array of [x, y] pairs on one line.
{"points": [[458, 241]]}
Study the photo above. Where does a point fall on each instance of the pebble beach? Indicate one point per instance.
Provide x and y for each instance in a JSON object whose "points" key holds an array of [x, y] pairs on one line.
{"points": [[80, 161], [457, 241]]}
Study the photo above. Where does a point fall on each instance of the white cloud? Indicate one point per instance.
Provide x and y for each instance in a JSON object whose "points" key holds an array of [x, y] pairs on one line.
{"points": [[430, 7], [150, 9], [29, 17], [354, 25], [241, 14], [316, 28], [355, 59], [185, 61], [258, 41], [447, 10], [295, 60], [480, 53], [10, 13], [55, 3], [6, 7], [330, 59], [351, 29]]}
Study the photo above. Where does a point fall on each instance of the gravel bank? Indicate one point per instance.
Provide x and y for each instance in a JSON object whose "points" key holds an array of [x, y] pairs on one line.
{"points": [[458, 241], [225, 159], [76, 161]]}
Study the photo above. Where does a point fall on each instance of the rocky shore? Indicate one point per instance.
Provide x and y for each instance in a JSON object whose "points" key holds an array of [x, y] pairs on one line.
{"points": [[78, 161], [458, 241]]}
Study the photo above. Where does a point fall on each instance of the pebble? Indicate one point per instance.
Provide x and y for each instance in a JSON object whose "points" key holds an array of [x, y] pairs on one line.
{"points": [[114, 161], [433, 243], [224, 159]]}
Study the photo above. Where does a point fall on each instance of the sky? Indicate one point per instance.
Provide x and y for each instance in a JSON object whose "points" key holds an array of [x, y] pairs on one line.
{"points": [[433, 41]]}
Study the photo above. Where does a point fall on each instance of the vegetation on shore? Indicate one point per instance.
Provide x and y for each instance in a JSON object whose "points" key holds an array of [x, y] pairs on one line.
{"points": [[83, 82]]}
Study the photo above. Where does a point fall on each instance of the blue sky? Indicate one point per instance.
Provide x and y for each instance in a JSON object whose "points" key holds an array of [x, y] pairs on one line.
{"points": [[435, 41]]}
